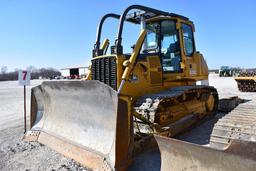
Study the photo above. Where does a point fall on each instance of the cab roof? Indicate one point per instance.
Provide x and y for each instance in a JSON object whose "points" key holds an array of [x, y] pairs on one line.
{"points": [[135, 16]]}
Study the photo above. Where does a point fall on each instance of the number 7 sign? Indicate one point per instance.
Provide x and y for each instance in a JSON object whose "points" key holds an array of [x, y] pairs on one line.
{"points": [[24, 78]]}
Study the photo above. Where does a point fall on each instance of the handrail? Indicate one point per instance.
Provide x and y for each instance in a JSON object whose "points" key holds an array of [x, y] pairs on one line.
{"points": [[99, 29]]}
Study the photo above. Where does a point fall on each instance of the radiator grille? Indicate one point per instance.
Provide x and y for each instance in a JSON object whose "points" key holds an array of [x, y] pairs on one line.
{"points": [[104, 70]]}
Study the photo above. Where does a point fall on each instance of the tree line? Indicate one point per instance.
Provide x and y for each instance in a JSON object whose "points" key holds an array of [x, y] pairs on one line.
{"points": [[45, 73]]}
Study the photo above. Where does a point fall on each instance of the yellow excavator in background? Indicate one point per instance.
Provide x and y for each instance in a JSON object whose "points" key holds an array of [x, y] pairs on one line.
{"points": [[158, 91]]}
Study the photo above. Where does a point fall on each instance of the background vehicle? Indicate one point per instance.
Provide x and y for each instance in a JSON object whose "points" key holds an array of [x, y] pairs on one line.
{"points": [[225, 71]]}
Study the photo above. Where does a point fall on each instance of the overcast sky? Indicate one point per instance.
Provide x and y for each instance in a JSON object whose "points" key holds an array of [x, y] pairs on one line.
{"points": [[61, 33]]}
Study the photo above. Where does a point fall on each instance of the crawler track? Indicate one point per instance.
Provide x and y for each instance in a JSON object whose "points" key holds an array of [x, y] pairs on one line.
{"points": [[238, 124], [152, 108]]}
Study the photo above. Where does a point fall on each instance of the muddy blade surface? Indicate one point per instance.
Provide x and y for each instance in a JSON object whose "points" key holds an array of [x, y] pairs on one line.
{"points": [[179, 155], [77, 119]]}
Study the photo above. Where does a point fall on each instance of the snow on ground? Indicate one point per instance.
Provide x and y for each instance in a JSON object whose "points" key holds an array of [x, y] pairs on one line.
{"points": [[18, 155]]}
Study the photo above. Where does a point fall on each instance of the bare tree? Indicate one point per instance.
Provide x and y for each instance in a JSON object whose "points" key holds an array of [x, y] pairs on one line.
{"points": [[4, 69], [35, 73]]}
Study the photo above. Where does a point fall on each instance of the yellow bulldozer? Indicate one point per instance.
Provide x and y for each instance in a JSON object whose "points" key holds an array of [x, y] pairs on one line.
{"points": [[130, 101]]}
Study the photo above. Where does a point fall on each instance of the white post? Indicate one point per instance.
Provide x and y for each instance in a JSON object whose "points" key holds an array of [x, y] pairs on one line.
{"points": [[24, 80]]}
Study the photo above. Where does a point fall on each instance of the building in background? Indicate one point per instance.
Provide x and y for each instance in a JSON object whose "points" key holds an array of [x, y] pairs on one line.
{"points": [[74, 72]]}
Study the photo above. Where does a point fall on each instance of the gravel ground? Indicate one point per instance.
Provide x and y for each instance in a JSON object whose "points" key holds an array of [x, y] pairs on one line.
{"points": [[18, 155]]}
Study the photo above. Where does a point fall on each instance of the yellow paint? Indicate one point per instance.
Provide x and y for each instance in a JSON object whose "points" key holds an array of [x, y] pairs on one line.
{"points": [[134, 56], [104, 44], [245, 78], [151, 79]]}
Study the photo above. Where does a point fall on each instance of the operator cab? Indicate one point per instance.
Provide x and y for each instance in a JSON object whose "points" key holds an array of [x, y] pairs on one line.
{"points": [[167, 54], [163, 38]]}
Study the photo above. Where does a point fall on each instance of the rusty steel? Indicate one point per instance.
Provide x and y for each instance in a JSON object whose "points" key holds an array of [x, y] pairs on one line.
{"points": [[246, 82]]}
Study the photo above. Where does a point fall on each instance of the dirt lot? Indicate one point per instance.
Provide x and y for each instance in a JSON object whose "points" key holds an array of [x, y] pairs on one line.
{"points": [[18, 155]]}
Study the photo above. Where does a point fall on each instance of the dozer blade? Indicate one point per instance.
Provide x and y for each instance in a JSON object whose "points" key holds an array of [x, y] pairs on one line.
{"points": [[179, 155], [79, 119]]}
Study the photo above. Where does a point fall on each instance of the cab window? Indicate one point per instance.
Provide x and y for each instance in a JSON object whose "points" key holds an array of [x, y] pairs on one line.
{"points": [[188, 39], [152, 36], [170, 48]]}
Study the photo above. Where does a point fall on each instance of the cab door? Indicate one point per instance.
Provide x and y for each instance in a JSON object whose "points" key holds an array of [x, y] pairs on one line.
{"points": [[189, 49], [170, 50]]}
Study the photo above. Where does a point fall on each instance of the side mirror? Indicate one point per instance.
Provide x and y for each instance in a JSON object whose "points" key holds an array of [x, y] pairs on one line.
{"points": [[133, 46]]}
